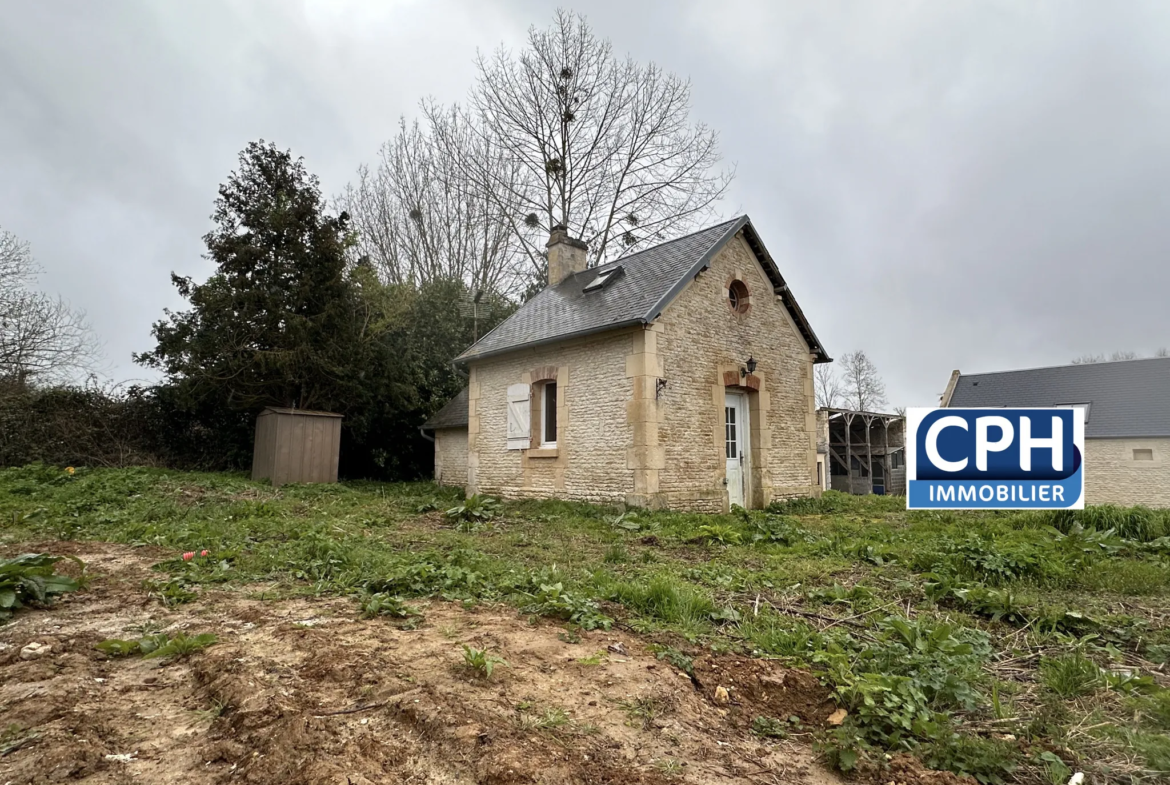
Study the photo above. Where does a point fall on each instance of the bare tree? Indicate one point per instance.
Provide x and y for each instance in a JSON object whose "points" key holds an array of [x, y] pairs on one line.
{"points": [[1162, 352], [829, 390], [418, 219], [41, 337], [570, 134], [1086, 359], [864, 389]]}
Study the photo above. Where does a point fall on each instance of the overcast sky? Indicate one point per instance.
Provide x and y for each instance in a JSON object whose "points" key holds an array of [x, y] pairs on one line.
{"points": [[972, 185]]}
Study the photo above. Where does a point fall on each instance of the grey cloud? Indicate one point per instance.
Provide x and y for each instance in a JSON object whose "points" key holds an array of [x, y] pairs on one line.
{"points": [[971, 185]]}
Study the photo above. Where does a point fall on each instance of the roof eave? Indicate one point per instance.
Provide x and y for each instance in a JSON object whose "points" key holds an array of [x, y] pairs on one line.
{"points": [[781, 289], [465, 358]]}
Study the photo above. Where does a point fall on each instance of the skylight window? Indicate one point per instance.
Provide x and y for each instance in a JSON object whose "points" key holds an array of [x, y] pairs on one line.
{"points": [[1084, 407], [603, 278]]}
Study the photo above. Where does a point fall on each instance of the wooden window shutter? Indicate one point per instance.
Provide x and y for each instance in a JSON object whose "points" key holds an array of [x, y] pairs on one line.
{"points": [[519, 408]]}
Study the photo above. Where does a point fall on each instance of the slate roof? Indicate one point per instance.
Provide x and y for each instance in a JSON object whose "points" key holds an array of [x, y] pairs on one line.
{"points": [[651, 279], [1127, 398], [453, 415]]}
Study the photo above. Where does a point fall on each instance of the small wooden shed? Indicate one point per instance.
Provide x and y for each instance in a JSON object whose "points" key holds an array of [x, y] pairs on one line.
{"points": [[296, 445]]}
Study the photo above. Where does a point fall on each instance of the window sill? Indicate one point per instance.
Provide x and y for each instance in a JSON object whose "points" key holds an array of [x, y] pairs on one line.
{"points": [[542, 452]]}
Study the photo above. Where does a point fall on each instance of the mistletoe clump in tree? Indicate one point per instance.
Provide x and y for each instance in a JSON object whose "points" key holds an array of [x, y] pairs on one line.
{"points": [[562, 132]]}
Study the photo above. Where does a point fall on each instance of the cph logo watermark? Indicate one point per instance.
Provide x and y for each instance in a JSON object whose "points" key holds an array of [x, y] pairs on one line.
{"points": [[987, 459]]}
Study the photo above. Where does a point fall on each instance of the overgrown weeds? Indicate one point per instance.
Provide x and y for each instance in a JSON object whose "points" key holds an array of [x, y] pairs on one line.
{"points": [[930, 627]]}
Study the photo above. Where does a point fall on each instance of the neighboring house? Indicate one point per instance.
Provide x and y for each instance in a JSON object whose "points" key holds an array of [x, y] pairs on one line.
{"points": [[679, 376], [1126, 406], [449, 426], [866, 451]]}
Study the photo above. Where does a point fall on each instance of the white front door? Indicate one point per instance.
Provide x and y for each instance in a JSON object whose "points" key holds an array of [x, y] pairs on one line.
{"points": [[735, 419]]}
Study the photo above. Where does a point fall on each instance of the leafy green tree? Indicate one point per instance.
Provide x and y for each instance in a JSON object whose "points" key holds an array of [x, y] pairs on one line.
{"points": [[285, 320], [275, 324], [422, 329], [281, 322]]}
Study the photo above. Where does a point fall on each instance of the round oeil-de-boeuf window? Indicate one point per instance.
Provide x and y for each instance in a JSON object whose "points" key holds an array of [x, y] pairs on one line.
{"points": [[737, 296]]}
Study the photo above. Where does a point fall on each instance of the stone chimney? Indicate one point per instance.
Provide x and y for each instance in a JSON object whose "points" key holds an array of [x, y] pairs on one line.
{"points": [[566, 255]]}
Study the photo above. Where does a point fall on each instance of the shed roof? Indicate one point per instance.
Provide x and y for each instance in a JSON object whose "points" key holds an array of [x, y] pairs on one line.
{"points": [[453, 415], [1127, 398], [651, 279], [302, 412]]}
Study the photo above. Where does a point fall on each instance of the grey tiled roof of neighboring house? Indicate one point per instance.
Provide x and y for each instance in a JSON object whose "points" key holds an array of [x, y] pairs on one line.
{"points": [[1127, 398], [650, 280], [453, 415]]}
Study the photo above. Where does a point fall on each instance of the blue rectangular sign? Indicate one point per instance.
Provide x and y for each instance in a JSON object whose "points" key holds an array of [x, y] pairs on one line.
{"points": [[987, 459]]}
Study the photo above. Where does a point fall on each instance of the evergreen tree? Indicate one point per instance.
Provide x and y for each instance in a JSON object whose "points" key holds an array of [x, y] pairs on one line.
{"points": [[286, 321]]}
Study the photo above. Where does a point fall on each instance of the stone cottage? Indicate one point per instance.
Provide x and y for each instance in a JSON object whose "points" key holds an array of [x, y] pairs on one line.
{"points": [[679, 376], [1126, 406]]}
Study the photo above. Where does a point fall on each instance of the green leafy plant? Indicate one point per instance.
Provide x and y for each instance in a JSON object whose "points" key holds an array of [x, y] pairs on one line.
{"points": [[480, 661], [32, 579], [779, 529], [382, 604], [989, 761], [171, 592], [158, 646], [844, 747], [1155, 708], [720, 533], [770, 728], [1130, 682], [982, 558], [675, 657], [840, 595], [899, 686], [995, 604], [1071, 675], [552, 599], [1056, 771], [642, 711], [627, 521], [475, 512]]}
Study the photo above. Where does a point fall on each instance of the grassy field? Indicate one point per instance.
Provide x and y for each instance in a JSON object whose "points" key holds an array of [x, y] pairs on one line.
{"points": [[1008, 646]]}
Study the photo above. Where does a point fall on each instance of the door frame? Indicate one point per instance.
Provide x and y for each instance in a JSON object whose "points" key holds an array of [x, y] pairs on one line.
{"points": [[743, 443]]}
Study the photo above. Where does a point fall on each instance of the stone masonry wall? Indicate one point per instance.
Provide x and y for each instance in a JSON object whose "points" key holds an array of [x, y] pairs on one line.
{"points": [[451, 456], [701, 339], [590, 460], [1112, 476]]}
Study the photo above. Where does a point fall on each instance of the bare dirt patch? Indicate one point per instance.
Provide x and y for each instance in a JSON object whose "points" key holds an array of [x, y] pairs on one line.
{"points": [[306, 691]]}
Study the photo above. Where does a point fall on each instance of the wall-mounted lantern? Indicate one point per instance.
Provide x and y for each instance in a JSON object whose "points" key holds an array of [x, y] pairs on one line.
{"points": [[750, 369]]}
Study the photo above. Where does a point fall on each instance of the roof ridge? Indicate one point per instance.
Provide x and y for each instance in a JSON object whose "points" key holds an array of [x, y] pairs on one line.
{"points": [[593, 270], [654, 277], [1065, 365], [673, 240]]}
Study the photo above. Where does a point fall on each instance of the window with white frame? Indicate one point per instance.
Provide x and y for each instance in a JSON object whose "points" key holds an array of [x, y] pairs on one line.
{"points": [[548, 414]]}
